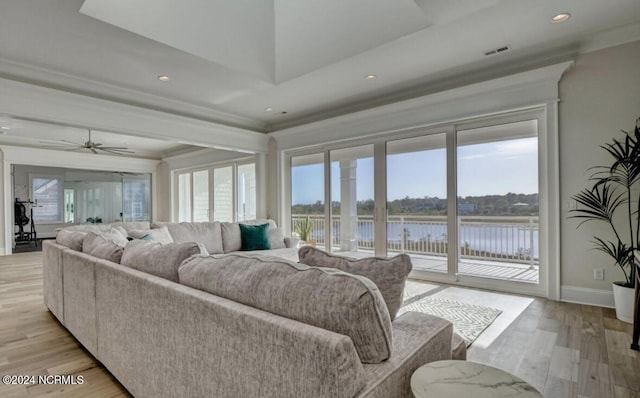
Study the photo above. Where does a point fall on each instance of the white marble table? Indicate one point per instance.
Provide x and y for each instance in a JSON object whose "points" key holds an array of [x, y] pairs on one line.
{"points": [[463, 379]]}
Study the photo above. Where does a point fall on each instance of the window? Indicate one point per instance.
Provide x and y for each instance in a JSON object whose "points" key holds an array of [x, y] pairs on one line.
{"points": [[47, 192], [201, 195], [246, 192], [223, 194], [69, 207], [184, 197], [136, 198], [214, 194]]}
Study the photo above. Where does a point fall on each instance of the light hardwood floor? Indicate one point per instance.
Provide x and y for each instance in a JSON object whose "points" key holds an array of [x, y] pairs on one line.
{"points": [[564, 350]]}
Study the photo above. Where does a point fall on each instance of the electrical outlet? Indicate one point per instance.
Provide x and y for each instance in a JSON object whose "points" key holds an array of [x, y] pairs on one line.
{"points": [[598, 274]]}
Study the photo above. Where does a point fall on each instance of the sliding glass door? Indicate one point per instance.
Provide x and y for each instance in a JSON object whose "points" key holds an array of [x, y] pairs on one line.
{"points": [[498, 201], [461, 200], [308, 198], [417, 200], [352, 201]]}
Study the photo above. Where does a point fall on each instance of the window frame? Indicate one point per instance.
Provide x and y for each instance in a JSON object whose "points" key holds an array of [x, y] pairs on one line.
{"points": [[547, 175], [60, 204], [175, 210]]}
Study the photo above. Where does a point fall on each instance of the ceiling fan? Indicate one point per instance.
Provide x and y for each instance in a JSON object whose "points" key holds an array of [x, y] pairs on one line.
{"points": [[94, 147]]}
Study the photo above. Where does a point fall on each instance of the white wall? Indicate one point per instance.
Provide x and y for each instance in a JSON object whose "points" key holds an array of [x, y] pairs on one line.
{"points": [[598, 97]]}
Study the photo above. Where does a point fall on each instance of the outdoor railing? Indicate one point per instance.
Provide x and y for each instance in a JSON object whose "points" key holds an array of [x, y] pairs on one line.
{"points": [[495, 238]]}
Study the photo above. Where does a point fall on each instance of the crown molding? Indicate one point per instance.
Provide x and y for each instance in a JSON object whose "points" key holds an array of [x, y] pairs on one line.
{"points": [[41, 76], [517, 91], [74, 160], [610, 38], [28, 101]]}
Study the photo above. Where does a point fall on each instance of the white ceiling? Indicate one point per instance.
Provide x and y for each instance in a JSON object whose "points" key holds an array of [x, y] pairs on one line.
{"points": [[51, 136], [230, 59]]}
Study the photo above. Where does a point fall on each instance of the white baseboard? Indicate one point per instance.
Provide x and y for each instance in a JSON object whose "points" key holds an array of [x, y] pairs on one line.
{"points": [[583, 295]]}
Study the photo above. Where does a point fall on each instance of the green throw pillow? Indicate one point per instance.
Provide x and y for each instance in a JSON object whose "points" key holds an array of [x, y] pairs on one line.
{"points": [[254, 237]]}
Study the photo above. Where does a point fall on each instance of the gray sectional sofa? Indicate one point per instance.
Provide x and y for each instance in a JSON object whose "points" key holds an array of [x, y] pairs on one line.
{"points": [[213, 325]]}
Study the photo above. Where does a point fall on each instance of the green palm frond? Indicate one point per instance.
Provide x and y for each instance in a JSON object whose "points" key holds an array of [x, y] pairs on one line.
{"points": [[619, 252], [597, 203]]}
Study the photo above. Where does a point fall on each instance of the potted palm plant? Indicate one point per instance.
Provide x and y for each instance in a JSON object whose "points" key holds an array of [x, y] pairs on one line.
{"points": [[304, 228], [610, 199]]}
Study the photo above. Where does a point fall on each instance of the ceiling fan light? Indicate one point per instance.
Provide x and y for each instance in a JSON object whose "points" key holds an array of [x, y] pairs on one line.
{"points": [[561, 17]]}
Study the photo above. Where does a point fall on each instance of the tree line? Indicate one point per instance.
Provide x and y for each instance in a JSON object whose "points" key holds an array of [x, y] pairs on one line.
{"points": [[511, 204]]}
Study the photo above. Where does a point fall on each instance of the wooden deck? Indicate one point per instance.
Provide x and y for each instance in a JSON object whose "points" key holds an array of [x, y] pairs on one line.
{"points": [[486, 269]]}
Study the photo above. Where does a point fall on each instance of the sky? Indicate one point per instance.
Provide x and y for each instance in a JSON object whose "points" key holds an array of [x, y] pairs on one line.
{"points": [[494, 168]]}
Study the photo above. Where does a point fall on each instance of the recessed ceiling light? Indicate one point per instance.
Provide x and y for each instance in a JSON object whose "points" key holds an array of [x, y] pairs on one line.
{"points": [[164, 78], [5, 128], [563, 16], [371, 77], [268, 109]]}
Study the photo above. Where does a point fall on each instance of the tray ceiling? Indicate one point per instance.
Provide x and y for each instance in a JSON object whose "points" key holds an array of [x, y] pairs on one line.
{"points": [[231, 60]]}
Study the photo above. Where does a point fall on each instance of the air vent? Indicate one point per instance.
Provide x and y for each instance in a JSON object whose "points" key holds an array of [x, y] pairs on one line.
{"points": [[498, 50]]}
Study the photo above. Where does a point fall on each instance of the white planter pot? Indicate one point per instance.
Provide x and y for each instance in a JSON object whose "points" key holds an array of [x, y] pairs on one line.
{"points": [[623, 298]]}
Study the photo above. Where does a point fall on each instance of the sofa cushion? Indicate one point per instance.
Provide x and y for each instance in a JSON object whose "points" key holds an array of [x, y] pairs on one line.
{"points": [[276, 238], [70, 238], [331, 299], [88, 228], [91, 241], [115, 236], [100, 245], [158, 259], [389, 274], [159, 235], [207, 233], [121, 230], [254, 237], [232, 240], [131, 225], [108, 250], [287, 253]]}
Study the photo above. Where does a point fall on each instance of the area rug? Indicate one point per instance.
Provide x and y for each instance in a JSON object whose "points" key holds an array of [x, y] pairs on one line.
{"points": [[468, 320]]}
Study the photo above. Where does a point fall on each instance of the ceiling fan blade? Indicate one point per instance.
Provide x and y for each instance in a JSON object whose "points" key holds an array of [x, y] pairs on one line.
{"points": [[117, 148], [117, 152], [94, 151], [75, 149], [58, 144]]}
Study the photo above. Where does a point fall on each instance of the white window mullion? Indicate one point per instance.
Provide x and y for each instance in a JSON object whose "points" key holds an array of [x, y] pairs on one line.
{"points": [[328, 231], [452, 204], [380, 198], [234, 191], [211, 194]]}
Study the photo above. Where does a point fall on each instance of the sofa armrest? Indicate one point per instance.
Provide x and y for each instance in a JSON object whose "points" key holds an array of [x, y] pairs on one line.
{"points": [[291, 242]]}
